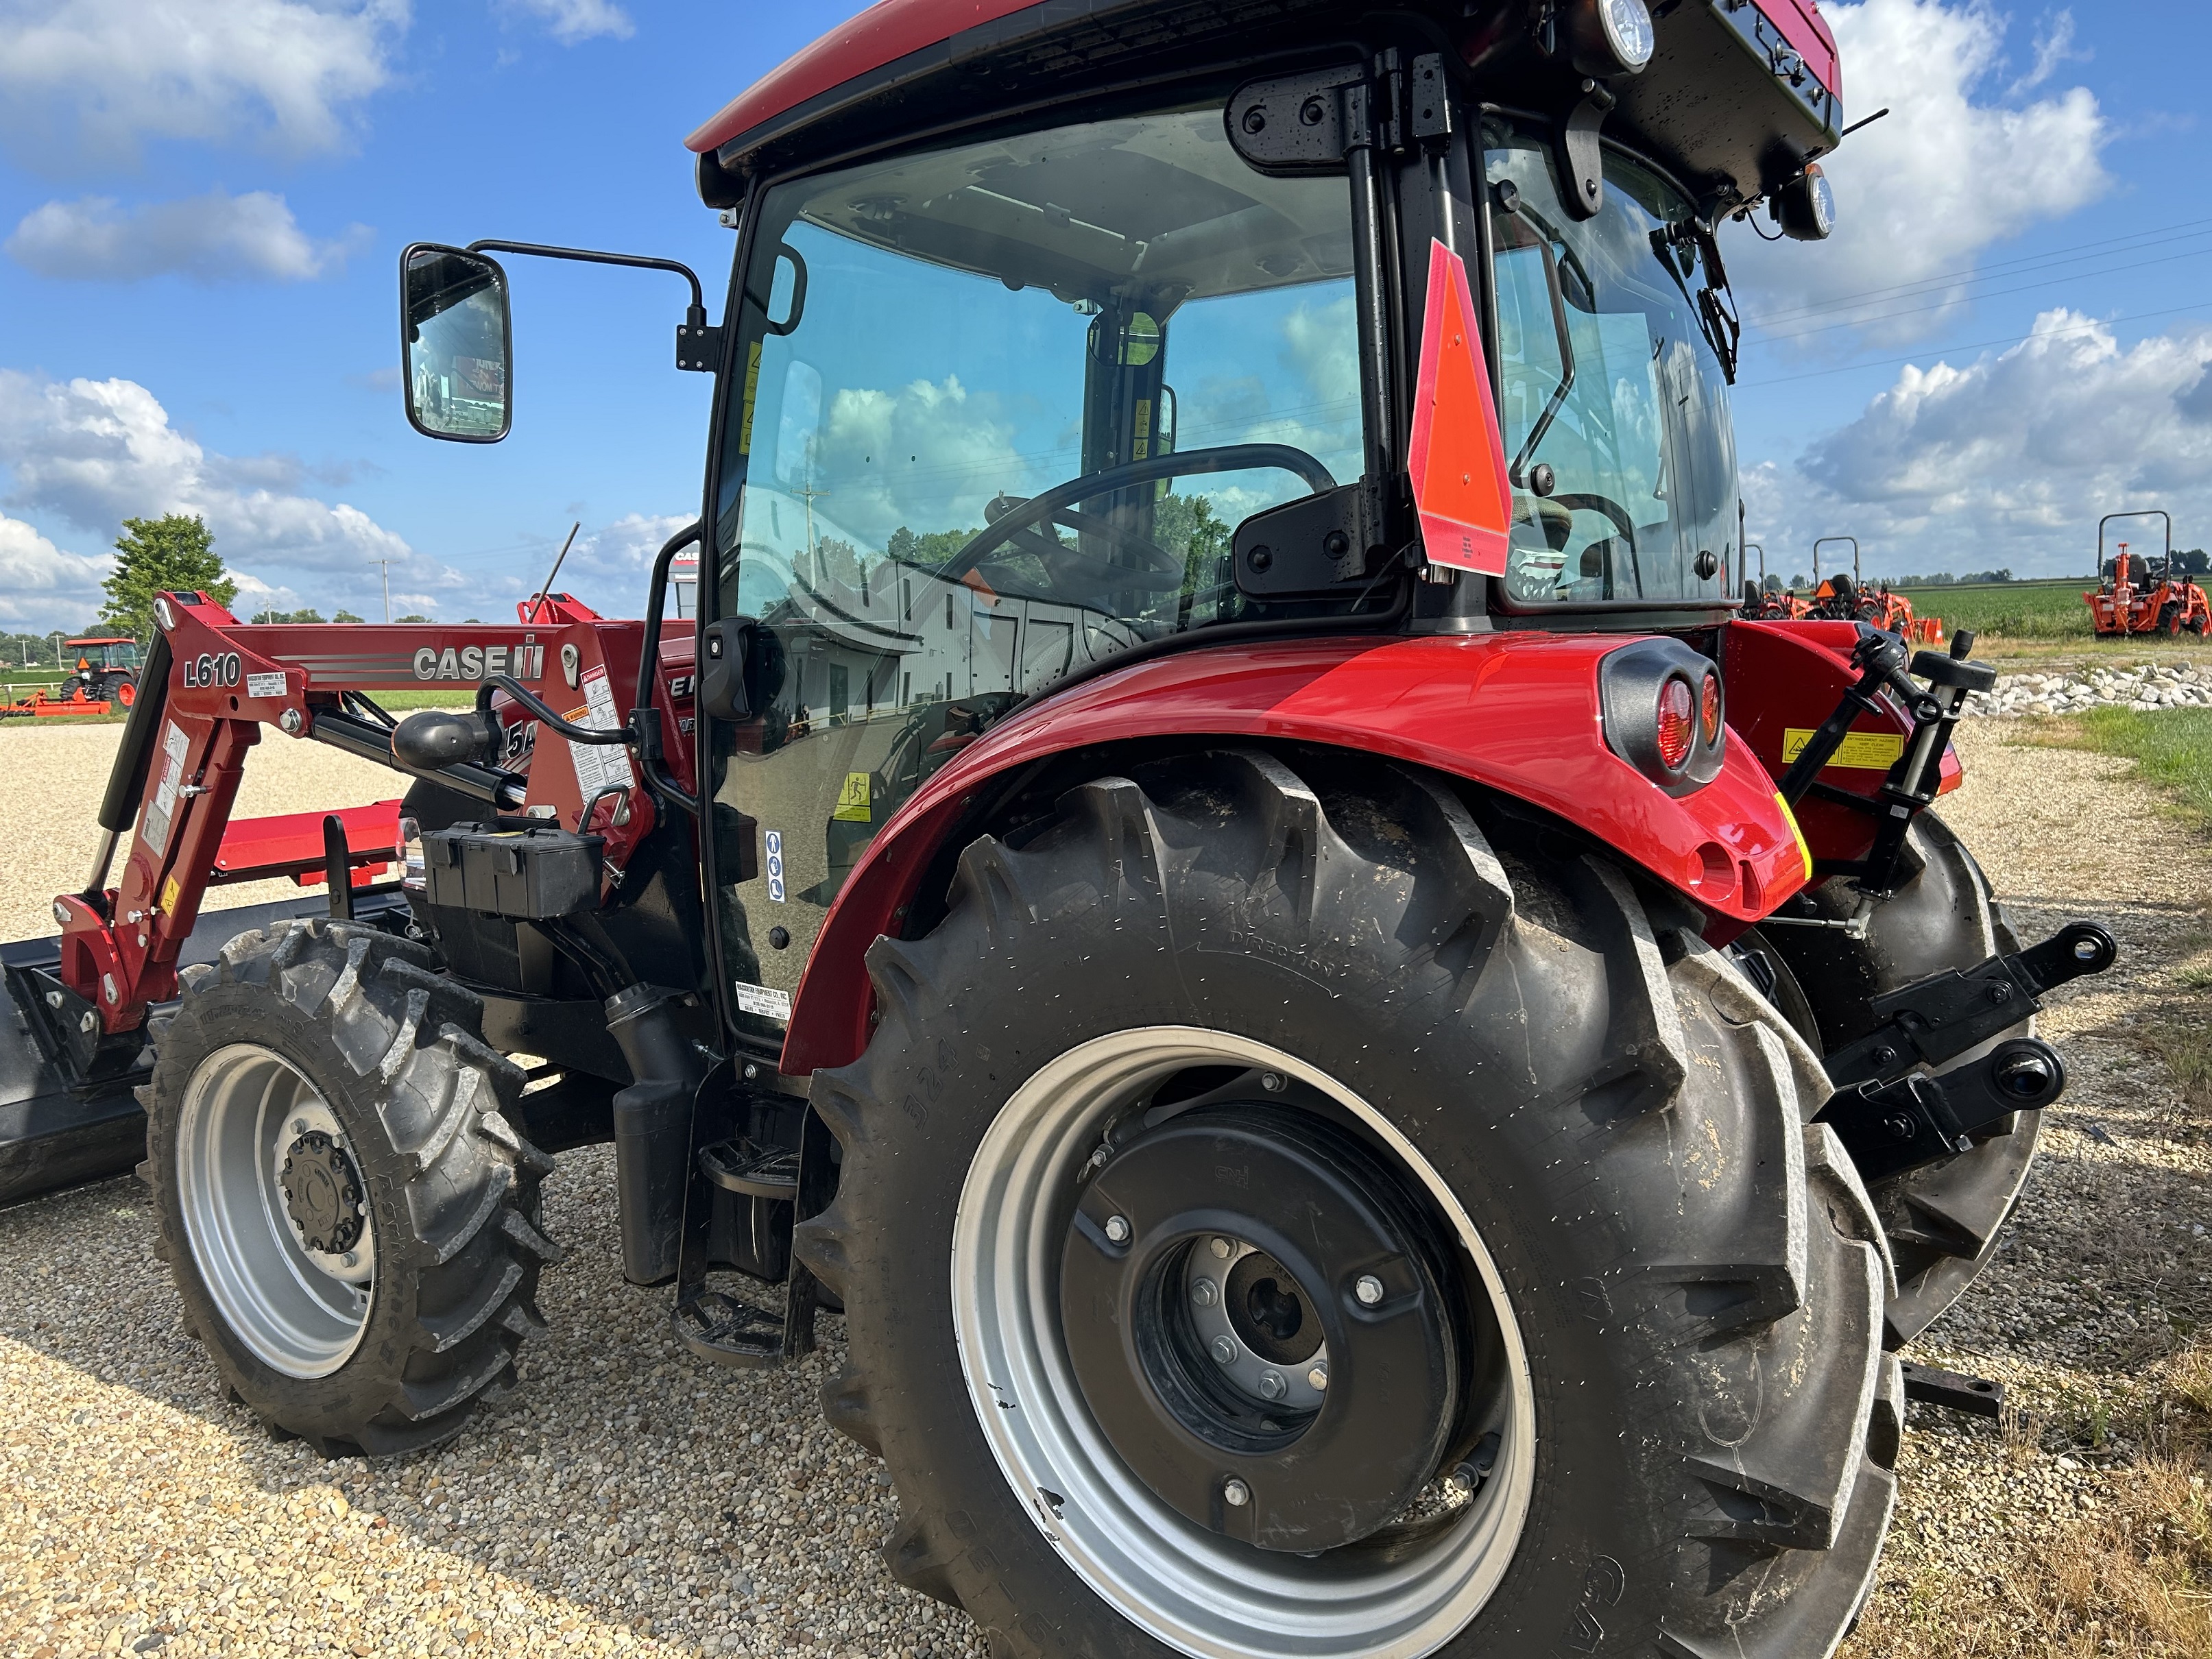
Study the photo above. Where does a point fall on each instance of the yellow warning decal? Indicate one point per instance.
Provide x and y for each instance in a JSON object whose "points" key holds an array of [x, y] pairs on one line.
{"points": [[1804, 850], [169, 891], [1864, 751], [752, 392], [852, 799]]}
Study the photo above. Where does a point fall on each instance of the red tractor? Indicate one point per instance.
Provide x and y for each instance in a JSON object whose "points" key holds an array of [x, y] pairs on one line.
{"points": [[1372, 1070], [2132, 599]]}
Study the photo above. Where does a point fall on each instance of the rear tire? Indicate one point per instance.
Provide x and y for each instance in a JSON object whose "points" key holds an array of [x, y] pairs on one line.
{"points": [[1942, 1220], [349, 1211], [1671, 1282]]}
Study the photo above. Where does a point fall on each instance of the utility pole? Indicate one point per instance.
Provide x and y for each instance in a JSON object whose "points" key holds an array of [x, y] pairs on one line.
{"points": [[387, 563]]}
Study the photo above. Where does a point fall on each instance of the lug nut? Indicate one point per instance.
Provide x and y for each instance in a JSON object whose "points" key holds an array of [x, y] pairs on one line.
{"points": [[1203, 1293], [1221, 1248], [1117, 1229], [1369, 1290], [1235, 1494], [1272, 1386], [1273, 1081], [1225, 1350], [1318, 1377]]}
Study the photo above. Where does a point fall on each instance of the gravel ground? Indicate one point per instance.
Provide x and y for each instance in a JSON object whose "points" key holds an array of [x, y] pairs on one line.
{"points": [[628, 1499], [52, 779], [2109, 1257]]}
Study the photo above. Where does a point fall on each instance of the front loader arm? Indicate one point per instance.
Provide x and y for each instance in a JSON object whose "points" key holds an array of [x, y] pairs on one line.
{"points": [[211, 683]]}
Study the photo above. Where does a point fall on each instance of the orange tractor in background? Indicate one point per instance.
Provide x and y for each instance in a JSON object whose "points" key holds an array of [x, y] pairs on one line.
{"points": [[2131, 599], [106, 677], [1847, 599], [1838, 598]]}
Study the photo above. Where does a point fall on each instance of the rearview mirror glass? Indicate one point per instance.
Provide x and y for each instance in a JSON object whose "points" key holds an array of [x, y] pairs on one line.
{"points": [[457, 344]]}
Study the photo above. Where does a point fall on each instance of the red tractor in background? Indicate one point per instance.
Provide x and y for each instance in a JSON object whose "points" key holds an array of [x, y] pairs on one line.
{"points": [[1373, 1069], [2132, 599]]}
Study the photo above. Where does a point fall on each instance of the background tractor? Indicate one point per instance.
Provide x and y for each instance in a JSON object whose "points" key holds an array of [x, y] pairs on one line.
{"points": [[2135, 597], [1369, 1063], [105, 676]]}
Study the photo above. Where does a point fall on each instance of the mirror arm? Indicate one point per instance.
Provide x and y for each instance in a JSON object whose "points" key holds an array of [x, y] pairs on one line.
{"points": [[698, 345]]}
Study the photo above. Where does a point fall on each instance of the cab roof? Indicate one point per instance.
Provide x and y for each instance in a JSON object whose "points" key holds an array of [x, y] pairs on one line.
{"points": [[912, 65]]}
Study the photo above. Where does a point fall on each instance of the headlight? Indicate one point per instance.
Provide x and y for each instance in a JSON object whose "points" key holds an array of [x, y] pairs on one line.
{"points": [[1805, 207], [1610, 37]]}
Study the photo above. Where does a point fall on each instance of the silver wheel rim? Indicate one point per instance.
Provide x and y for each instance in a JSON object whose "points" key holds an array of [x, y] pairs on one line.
{"points": [[301, 1311], [1187, 1586]]}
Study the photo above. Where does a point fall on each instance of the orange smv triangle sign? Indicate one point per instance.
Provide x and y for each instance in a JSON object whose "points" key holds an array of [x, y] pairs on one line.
{"points": [[1457, 459]]}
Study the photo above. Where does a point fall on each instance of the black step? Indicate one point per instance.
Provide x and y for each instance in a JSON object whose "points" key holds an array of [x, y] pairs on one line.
{"points": [[718, 1327], [739, 1166]]}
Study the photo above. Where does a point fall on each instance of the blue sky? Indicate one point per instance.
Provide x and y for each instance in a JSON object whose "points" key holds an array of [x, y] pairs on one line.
{"points": [[202, 207]]}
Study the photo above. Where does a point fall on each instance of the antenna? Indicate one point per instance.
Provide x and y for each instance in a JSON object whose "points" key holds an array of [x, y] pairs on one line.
{"points": [[545, 588]]}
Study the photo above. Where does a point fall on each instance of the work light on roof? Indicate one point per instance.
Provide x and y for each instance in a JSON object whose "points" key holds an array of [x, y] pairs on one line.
{"points": [[1805, 207], [1610, 37]]}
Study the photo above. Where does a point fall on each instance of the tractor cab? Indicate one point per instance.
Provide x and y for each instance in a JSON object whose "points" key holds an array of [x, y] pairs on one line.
{"points": [[103, 651], [1124, 351], [105, 669]]}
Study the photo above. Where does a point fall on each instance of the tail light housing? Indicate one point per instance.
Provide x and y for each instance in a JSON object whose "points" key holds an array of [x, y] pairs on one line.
{"points": [[1664, 712]]}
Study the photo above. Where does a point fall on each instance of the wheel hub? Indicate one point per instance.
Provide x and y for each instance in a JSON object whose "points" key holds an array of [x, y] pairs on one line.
{"points": [[322, 1193], [1254, 1312]]}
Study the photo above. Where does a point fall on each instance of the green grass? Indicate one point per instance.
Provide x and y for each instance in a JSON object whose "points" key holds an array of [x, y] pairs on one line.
{"points": [[2172, 748], [2014, 610]]}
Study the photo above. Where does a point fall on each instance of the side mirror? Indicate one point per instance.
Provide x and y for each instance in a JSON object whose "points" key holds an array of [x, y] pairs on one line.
{"points": [[456, 343]]}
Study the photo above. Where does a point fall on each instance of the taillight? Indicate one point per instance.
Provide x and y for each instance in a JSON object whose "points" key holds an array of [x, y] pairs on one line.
{"points": [[1677, 722], [1664, 711]]}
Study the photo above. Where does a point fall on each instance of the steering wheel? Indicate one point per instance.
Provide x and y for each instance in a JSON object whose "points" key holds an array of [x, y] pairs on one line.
{"points": [[1155, 569], [1604, 504]]}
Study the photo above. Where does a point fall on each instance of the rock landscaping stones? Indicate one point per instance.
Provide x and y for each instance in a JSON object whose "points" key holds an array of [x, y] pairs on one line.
{"points": [[2148, 686]]}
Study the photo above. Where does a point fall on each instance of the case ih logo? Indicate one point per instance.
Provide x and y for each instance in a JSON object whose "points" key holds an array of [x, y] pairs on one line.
{"points": [[206, 669], [479, 662]]}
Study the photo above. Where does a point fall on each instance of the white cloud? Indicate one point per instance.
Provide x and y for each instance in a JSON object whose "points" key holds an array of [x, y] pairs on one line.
{"points": [[1923, 192], [42, 587], [87, 80], [211, 239], [2054, 47], [97, 451], [2009, 460], [572, 20], [928, 455]]}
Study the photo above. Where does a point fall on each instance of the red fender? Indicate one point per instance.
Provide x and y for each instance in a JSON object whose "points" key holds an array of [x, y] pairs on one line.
{"points": [[1514, 712]]}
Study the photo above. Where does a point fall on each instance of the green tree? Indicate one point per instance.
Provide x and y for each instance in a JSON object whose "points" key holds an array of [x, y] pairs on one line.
{"points": [[174, 552], [347, 616], [409, 617]]}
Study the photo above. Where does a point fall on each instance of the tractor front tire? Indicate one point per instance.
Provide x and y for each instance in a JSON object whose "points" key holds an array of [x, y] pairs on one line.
{"points": [[348, 1211], [1944, 1220], [1291, 1207]]}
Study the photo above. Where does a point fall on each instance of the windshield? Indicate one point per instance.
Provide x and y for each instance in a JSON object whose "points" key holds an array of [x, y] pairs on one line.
{"points": [[942, 486], [1612, 381]]}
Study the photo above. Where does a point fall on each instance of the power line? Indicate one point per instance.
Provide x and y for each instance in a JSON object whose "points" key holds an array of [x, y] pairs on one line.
{"points": [[1940, 305], [1974, 345], [2102, 248]]}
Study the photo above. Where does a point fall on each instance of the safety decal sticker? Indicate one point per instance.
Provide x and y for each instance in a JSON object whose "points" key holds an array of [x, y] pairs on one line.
{"points": [[1863, 751], [154, 831], [599, 765], [775, 866], [761, 999], [852, 799]]}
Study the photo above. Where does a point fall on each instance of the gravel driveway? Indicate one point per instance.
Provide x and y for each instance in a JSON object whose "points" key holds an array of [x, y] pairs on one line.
{"points": [[627, 1499]]}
